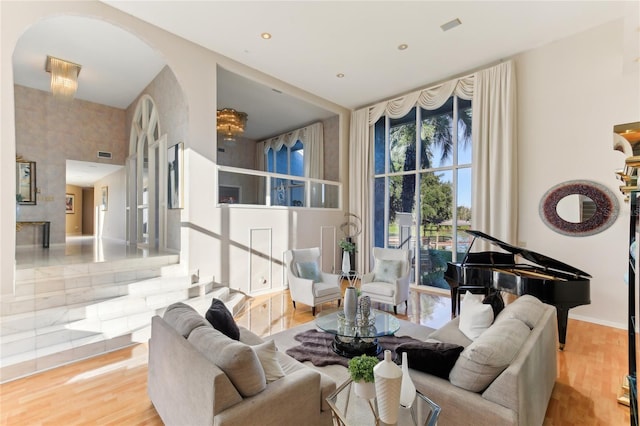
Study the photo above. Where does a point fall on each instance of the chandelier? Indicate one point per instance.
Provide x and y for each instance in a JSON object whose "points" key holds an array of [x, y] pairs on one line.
{"points": [[231, 123], [64, 77]]}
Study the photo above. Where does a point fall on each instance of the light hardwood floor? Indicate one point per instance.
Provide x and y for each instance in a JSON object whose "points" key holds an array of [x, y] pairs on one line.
{"points": [[111, 389]]}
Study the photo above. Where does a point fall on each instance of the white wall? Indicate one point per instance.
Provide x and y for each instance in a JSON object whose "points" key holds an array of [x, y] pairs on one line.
{"points": [[570, 95], [195, 71], [110, 223]]}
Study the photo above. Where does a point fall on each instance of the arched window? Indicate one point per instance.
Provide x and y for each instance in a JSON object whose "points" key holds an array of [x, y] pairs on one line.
{"points": [[146, 183]]}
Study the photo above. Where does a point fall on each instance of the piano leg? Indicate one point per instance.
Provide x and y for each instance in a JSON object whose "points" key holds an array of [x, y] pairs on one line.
{"points": [[563, 317], [454, 301]]}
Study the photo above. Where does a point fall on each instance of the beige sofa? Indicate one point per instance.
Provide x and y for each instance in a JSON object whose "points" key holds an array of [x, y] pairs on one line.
{"points": [[187, 384], [519, 395], [526, 331]]}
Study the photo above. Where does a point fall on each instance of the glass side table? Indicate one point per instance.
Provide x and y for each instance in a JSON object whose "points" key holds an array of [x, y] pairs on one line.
{"points": [[348, 409]]}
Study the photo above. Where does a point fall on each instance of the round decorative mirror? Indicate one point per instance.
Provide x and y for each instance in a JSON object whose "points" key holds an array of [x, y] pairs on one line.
{"points": [[579, 208]]}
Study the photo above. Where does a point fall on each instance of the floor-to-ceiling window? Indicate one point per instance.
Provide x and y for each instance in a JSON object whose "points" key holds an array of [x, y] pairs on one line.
{"points": [[422, 186]]}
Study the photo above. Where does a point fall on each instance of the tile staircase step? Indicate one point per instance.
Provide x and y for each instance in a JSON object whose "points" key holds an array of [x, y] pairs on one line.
{"points": [[74, 270], [71, 333], [73, 288]]}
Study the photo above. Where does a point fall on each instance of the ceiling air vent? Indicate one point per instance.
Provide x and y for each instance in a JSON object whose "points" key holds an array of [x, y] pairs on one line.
{"points": [[104, 154]]}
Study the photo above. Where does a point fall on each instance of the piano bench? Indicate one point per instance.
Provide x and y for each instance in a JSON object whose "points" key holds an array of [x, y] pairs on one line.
{"points": [[475, 289]]}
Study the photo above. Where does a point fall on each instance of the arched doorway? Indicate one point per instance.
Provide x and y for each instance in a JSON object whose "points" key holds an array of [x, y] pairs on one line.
{"points": [[146, 178]]}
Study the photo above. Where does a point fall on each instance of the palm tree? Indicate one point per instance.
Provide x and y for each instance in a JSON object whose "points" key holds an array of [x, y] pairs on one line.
{"points": [[436, 131]]}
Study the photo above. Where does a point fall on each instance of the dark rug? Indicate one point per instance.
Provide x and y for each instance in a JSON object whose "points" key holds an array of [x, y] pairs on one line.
{"points": [[316, 347]]}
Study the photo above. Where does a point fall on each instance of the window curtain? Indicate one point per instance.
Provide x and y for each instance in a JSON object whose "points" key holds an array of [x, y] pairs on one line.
{"points": [[495, 107], [312, 138], [261, 165], [494, 205]]}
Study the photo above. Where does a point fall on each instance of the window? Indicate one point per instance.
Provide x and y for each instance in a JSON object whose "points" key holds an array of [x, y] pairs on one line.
{"points": [[287, 161], [422, 186]]}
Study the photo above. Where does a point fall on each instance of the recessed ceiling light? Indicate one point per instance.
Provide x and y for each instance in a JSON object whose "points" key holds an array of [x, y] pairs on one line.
{"points": [[265, 36], [340, 75], [403, 46], [451, 24]]}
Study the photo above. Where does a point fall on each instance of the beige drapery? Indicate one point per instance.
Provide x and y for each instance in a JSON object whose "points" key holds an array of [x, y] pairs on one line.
{"points": [[312, 138], [494, 151], [494, 182]]}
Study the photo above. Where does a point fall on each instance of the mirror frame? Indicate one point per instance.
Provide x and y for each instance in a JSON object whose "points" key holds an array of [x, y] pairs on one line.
{"points": [[606, 213], [22, 181]]}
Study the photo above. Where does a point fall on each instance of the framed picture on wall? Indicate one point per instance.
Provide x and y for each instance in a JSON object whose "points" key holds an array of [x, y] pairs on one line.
{"points": [[104, 200], [70, 203], [25, 181], [175, 173]]}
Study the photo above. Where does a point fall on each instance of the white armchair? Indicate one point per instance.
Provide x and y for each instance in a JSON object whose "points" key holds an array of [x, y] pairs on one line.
{"points": [[389, 281], [307, 283]]}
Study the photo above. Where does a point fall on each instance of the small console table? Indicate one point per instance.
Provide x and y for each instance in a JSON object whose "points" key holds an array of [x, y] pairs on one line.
{"points": [[46, 229], [349, 409]]}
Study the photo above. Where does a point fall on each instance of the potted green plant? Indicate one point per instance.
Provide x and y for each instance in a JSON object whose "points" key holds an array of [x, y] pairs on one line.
{"points": [[348, 254], [361, 372], [347, 246]]}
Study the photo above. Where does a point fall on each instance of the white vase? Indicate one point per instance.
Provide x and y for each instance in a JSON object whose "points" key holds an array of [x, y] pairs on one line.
{"points": [[350, 303], [407, 389], [388, 379], [366, 390], [346, 263]]}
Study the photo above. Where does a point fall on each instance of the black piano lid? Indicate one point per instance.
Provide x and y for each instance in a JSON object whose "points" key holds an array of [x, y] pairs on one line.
{"points": [[537, 258]]}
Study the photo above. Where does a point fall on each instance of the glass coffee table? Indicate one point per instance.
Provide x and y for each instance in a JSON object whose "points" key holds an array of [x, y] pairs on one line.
{"points": [[353, 338], [348, 409]]}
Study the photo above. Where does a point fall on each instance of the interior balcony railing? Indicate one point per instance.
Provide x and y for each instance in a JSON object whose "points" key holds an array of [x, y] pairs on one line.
{"points": [[254, 187]]}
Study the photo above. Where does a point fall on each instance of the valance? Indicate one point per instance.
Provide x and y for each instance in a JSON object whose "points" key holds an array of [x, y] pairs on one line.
{"points": [[307, 135], [430, 98]]}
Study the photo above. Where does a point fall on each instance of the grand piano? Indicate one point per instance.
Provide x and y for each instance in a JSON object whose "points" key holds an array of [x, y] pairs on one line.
{"points": [[551, 281]]}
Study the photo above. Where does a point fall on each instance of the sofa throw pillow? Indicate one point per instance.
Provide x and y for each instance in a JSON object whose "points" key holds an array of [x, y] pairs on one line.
{"points": [[435, 358], [183, 318], [495, 300], [387, 271], [268, 356], [222, 320], [309, 271], [475, 316]]}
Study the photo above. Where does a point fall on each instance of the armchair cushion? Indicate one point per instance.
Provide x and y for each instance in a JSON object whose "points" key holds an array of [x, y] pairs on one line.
{"points": [[222, 320], [309, 271], [387, 271], [325, 289], [378, 288]]}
